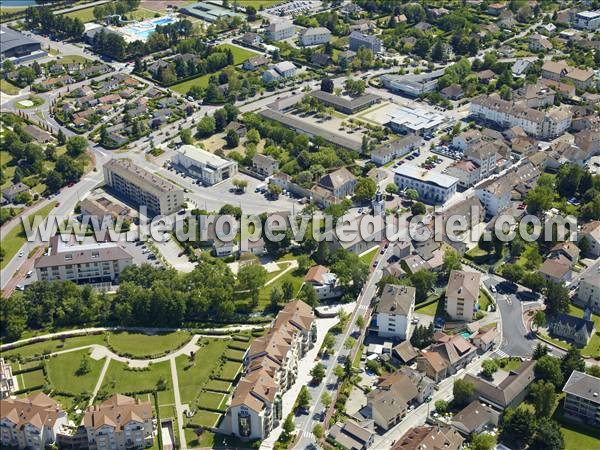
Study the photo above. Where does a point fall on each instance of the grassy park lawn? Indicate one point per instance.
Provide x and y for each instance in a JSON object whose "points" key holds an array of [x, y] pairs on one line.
{"points": [[9, 88], [55, 345], [15, 238], [142, 14], [140, 345], [63, 372], [85, 14], [70, 59], [234, 354], [368, 256], [239, 54], [577, 435], [434, 308], [32, 101], [205, 418], [230, 370], [217, 385], [194, 377], [209, 439], [120, 379], [184, 87], [31, 379], [211, 400]]}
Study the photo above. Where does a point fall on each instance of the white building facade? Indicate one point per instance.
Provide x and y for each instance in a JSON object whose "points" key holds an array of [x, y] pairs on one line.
{"points": [[432, 187]]}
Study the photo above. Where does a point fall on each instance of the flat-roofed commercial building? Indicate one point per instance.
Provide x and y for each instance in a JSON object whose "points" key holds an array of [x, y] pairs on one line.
{"points": [[205, 166], [142, 187], [412, 85], [17, 47], [89, 263], [415, 120], [208, 12], [345, 105], [432, 187]]}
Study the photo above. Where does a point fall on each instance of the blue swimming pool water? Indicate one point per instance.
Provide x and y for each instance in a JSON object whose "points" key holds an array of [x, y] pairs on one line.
{"points": [[465, 334], [144, 29]]}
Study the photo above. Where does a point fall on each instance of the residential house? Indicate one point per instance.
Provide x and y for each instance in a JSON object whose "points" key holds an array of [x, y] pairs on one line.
{"points": [[453, 92], [404, 352], [31, 422], [11, 193], [7, 382], [251, 39], [485, 76], [395, 149], [467, 138], [395, 310], [118, 422], [576, 329], [567, 249], [539, 43], [320, 59], [485, 337], [582, 402], [588, 294], [589, 141], [314, 36], [467, 172], [425, 385], [389, 402], [278, 31], [255, 62], [556, 270], [446, 356], [264, 164], [475, 418], [285, 69], [270, 369], [426, 437], [591, 233], [557, 70], [323, 281], [358, 40], [486, 155], [340, 183], [495, 9], [507, 389], [520, 67], [462, 295], [536, 95], [350, 435]]}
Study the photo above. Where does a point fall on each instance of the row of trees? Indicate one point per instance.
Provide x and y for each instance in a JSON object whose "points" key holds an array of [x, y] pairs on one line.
{"points": [[42, 18]]}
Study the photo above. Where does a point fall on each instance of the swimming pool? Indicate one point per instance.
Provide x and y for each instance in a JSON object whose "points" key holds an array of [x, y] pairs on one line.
{"points": [[142, 30], [465, 334]]}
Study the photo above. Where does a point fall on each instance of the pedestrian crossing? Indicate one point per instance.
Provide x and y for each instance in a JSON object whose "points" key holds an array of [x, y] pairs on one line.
{"points": [[501, 354], [308, 434]]}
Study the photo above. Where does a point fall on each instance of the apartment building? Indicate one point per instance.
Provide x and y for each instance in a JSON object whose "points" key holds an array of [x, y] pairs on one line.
{"points": [[426, 437], [86, 263], [278, 31], [7, 383], [339, 183], [589, 289], [315, 36], [446, 356], [119, 422], [205, 166], [358, 40], [558, 70], [432, 187], [389, 402], [395, 149], [323, 281], [462, 295], [582, 402], [543, 125], [467, 172], [587, 20], [270, 369], [30, 423], [539, 43], [143, 188], [264, 164], [536, 95], [395, 310]]}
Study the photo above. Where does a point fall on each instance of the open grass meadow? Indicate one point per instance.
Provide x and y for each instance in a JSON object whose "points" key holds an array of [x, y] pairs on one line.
{"points": [[15, 238], [140, 345], [64, 372], [120, 378], [8, 88], [193, 375], [55, 345]]}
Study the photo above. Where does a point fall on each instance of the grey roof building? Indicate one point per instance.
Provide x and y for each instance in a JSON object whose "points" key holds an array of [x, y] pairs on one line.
{"points": [[583, 398], [358, 40], [18, 47], [345, 105]]}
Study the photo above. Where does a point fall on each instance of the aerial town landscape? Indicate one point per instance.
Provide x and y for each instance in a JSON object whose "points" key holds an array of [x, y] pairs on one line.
{"points": [[300, 224]]}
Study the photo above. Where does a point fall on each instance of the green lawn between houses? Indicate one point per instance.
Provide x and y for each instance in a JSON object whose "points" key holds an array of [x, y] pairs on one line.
{"points": [[62, 372], [140, 345], [54, 345]]}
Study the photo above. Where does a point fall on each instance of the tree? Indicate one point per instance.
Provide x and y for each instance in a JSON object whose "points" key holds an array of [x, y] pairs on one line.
{"points": [[318, 373], [593, 371], [252, 277], [62, 139], [423, 281], [544, 397], [54, 181], [318, 431], [451, 262], [490, 366], [411, 194], [327, 85], [232, 138], [303, 262], [186, 136], [485, 244], [548, 436], [276, 297], [309, 295], [288, 290], [418, 208], [547, 368], [360, 322], [519, 426], [206, 126], [557, 299], [338, 371], [365, 189], [422, 336], [483, 441], [441, 406], [303, 401], [438, 53], [76, 145], [539, 319], [84, 366], [539, 351], [288, 428], [463, 391], [570, 362], [391, 188], [326, 398], [274, 190]]}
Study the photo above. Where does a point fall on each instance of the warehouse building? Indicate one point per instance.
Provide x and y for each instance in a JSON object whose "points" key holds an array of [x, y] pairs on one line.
{"points": [[17, 47]]}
